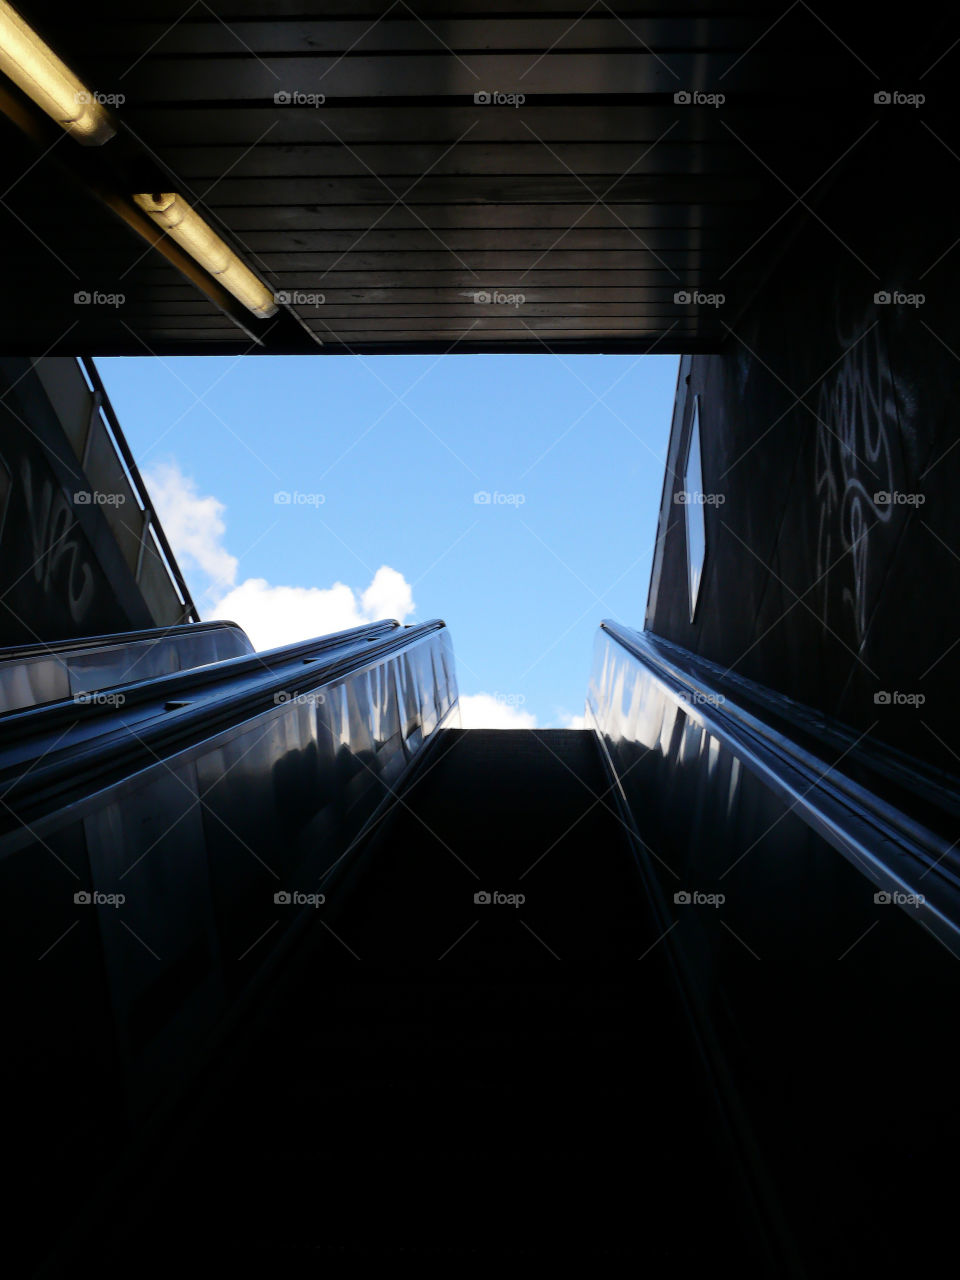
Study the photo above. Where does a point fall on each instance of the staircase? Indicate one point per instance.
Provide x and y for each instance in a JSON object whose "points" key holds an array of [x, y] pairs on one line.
{"points": [[440, 1077]]}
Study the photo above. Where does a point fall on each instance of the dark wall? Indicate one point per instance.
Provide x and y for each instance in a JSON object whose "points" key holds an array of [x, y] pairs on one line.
{"points": [[61, 572], [821, 399]]}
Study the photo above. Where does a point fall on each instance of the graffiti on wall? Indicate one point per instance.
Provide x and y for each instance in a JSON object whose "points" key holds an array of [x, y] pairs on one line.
{"points": [[853, 472], [59, 558]]}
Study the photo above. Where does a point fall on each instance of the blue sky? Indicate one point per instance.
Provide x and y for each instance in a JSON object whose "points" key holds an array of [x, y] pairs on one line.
{"points": [[385, 456]]}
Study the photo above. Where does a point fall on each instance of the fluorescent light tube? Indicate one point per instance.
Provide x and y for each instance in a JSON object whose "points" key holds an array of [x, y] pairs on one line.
{"points": [[37, 70], [194, 236]]}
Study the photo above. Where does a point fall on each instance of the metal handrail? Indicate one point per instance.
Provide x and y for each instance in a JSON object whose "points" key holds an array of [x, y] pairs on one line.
{"points": [[78, 644], [103, 741], [103, 407], [888, 844], [35, 675]]}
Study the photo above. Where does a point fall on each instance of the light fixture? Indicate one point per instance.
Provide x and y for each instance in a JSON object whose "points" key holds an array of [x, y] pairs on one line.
{"points": [[41, 75], [192, 234]]}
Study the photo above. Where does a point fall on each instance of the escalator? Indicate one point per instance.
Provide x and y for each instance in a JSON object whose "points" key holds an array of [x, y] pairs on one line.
{"points": [[461, 1064], [31, 675], [306, 974]]}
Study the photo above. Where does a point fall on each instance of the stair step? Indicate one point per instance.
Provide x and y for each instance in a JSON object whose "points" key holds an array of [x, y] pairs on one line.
{"points": [[485, 1078]]}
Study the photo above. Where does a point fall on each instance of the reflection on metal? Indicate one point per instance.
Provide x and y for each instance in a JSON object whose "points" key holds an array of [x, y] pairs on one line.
{"points": [[34, 674], [189, 825], [694, 520], [727, 783]]}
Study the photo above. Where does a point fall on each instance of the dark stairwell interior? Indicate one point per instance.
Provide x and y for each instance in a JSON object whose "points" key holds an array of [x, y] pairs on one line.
{"points": [[439, 1076]]}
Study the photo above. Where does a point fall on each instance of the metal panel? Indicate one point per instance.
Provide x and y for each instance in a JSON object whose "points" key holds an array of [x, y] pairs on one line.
{"points": [[804, 918], [155, 920], [215, 846], [35, 674], [798, 819], [32, 681]]}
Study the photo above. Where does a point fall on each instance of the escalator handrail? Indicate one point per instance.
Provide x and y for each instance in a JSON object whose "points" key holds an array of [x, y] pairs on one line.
{"points": [[227, 694], [778, 714], [883, 841], [118, 639], [47, 717]]}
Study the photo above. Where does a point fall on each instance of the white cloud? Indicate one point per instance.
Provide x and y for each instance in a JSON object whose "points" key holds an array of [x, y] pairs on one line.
{"points": [[575, 722], [270, 615], [389, 595], [487, 711], [194, 525]]}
